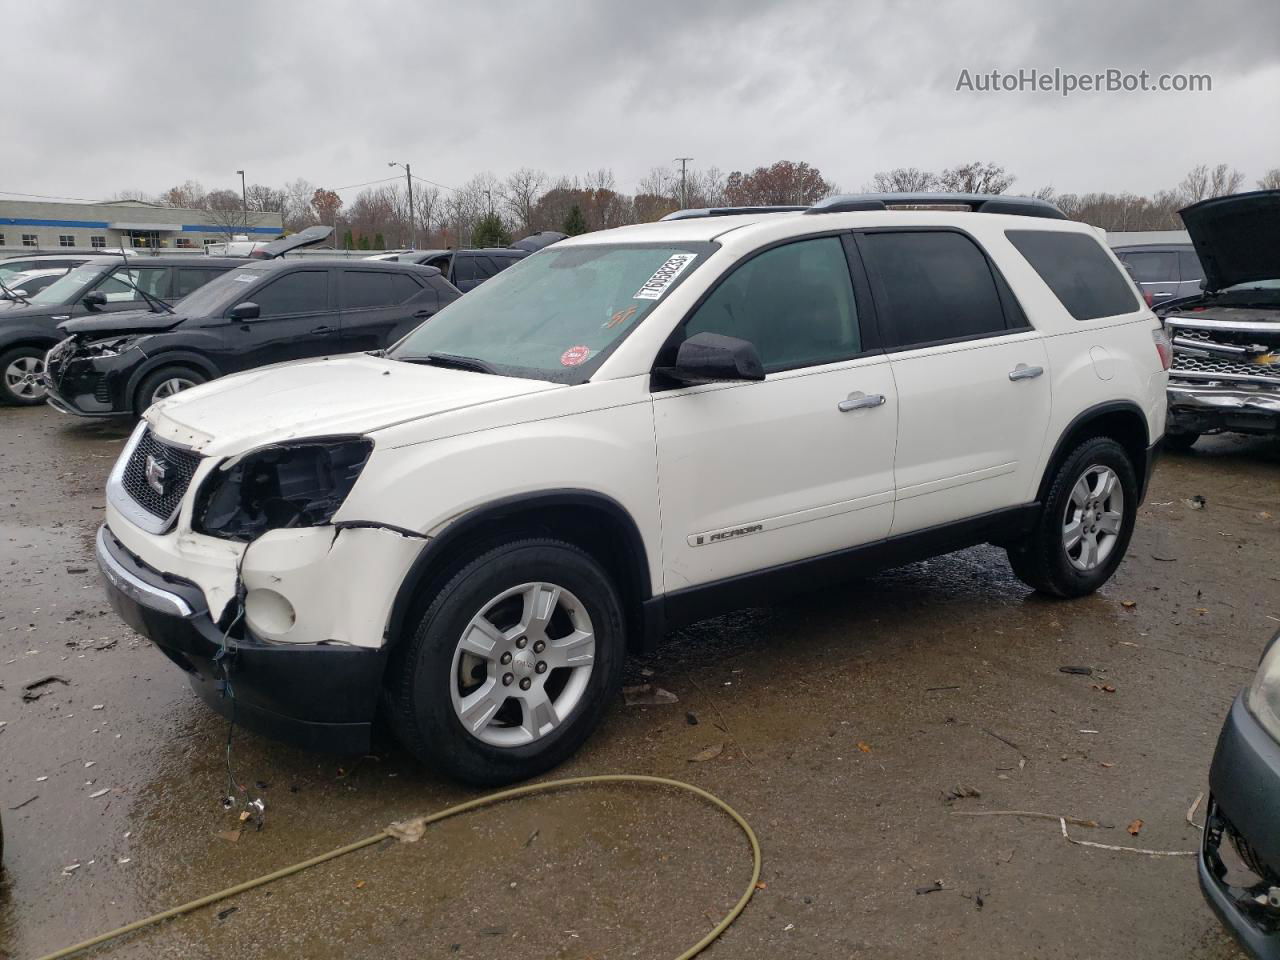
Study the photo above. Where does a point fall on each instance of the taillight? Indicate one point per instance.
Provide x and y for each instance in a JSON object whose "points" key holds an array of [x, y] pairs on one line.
{"points": [[1164, 346], [1149, 297]]}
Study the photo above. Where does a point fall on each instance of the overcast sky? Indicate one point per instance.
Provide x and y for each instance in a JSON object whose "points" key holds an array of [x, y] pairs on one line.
{"points": [[106, 96]]}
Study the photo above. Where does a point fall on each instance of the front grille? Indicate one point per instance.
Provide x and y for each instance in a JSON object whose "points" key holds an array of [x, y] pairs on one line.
{"points": [[179, 466], [1221, 365]]}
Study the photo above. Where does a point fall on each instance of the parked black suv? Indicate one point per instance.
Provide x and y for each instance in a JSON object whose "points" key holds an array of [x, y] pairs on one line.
{"points": [[262, 312], [467, 269], [99, 286]]}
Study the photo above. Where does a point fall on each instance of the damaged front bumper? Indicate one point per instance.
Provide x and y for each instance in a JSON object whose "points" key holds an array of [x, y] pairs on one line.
{"points": [[1225, 376], [320, 696], [1240, 854]]}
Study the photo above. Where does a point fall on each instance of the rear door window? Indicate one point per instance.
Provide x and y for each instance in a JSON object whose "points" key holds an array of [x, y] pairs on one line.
{"points": [[189, 279], [1152, 266], [931, 287], [464, 269], [306, 291], [364, 289], [1189, 265], [120, 286], [1078, 271]]}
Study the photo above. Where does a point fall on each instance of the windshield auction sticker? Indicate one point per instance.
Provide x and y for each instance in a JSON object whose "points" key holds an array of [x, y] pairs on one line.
{"points": [[574, 356], [664, 276]]}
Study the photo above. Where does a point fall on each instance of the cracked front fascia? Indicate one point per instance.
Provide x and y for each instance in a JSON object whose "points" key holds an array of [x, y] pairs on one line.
{"points": [[340, 580]]}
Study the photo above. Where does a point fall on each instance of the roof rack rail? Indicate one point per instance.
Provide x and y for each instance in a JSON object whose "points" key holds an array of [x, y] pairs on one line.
{"points": [[977, 202], [697, 212]]}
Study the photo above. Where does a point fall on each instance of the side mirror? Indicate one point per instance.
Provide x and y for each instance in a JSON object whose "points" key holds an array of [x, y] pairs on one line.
{"points": [[20, 293], [248, 310], [94, 300], [713, 357]]}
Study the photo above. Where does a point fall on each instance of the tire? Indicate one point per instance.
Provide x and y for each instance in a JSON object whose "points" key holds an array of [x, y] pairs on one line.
{"points": [[165, 382], [1180, 442], [17, 367], [1047, 560], [433, 680]]}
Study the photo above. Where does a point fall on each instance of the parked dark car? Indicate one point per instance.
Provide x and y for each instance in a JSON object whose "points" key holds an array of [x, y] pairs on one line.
{"points": [[100, 286], [1240, 853], [15, 265], [262, 312], [1163, 271], [467, 269], [1226, 339]]}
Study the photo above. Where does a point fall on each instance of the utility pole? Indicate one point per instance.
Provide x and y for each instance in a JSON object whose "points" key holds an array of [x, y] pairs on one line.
{"points": [[489, 194], [244, 199], [408, 179], [682, 161]]}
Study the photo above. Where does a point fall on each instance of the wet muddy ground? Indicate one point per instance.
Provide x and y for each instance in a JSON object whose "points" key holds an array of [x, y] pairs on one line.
{"points": [[846, 717]]}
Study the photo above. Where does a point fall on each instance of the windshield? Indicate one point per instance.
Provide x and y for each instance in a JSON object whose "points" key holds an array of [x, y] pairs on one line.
{"points": [[556, 315], [10, 270], [207, 300], [67, 288]]}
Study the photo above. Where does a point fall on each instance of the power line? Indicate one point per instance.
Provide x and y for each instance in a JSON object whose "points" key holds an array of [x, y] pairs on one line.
{"points": [[42, 196]]}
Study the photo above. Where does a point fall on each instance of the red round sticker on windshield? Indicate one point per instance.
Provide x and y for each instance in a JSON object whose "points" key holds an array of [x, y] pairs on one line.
{"points": [[574, 356]]}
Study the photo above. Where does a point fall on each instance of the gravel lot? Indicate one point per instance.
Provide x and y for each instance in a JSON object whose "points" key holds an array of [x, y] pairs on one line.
{"points": [[846, 718]]}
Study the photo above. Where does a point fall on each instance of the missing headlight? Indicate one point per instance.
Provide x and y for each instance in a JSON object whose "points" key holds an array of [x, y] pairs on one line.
{"points": [[289, 485]]}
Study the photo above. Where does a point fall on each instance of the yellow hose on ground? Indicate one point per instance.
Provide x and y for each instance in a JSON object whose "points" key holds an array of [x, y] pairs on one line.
{"points": [[485, 801]]}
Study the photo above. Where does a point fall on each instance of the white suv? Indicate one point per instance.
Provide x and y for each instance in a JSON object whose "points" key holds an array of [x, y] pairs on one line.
{"points": [[623, 433]]}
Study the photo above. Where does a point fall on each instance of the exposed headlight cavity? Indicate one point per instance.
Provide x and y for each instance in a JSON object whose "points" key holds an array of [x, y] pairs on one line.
{"points": [[287, 485], [111, 348], [1263, 698]]}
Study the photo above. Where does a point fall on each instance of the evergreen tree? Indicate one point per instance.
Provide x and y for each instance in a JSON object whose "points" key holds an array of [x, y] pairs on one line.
{"points": [[490, 231], [575, 223], [378, 242], [347, 242], [363, 243]]}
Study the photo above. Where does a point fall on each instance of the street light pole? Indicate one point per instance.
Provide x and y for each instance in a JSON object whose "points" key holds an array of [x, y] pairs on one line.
{"points": [[408, 179], [244, 199], [683, 196]]}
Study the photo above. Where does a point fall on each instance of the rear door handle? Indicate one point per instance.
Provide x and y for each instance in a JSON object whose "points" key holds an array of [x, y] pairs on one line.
{"points": [[322, 330], [860, 401], [1023, 372]]}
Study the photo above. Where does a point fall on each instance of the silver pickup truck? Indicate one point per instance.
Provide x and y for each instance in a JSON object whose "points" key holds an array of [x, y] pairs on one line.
{"points": [[1226, 340]]}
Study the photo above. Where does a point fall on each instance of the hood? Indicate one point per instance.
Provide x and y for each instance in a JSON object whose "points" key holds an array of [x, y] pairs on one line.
{"points": [[128, 321], [1237, 238], [356, 393], [295, 241]]}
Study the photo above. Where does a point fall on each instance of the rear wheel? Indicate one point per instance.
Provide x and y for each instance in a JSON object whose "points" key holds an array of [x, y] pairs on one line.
{"points": [[21, 376], [511, 666], [164, 383], [1085, 525]]}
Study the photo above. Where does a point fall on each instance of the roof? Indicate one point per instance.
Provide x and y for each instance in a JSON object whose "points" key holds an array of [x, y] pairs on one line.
{"points": [[177, 261]]}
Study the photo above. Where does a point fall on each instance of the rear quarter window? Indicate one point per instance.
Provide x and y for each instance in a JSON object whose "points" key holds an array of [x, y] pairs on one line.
{"points": [[1077, 269]]}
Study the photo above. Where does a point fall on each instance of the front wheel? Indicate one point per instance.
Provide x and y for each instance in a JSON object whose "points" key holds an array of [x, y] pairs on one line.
{"points": [[22, 376], [511, 666], [1085, 524], [164, 383]]}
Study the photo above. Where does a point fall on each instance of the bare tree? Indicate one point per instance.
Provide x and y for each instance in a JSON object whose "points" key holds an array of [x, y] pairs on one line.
{"points": [[976, 177], [904, 180], [1203, 182], [298, 212], [225, 210], [520, 192], [430, 203], [1270, 180], [189, 195]]}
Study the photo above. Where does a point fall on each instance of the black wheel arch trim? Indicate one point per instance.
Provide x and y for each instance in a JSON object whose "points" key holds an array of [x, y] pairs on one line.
{"points": [[1084, 417], [635, 556], [26, 337]]}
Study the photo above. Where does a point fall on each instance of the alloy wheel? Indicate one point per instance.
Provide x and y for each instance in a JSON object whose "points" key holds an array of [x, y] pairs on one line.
{"points": [[168, 388], [23, 377], [522, 664], [1094, 518]]}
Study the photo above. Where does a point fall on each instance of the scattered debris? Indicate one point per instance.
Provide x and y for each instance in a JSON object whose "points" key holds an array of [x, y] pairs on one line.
{"points": [[960, 792], [99, 793], [1104, 687], [1074, 821], [864, 746], [407, 831], [360, 884], [647, 695], [936, 689], [223, 914], [1196, 503], [1191, 811], [99, 706], [532, 837], [1128, 604], [36, 688], [931, 888], [1112, 846], [1134, 828], [1156, 556], [691, 719], [77, 569], [1077, 671], [70, 869], [232, 836], [710, 753], [36, 797]]}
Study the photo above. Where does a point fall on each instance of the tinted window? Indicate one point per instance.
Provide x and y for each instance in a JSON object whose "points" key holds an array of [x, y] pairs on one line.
{"points": [[366, 288], [794, 302], [1189, 264], [464, 268], [304, 292], [931, 287], [1151, 266], [153, 280], [485, 267], [1079, 272], [189, 279]]}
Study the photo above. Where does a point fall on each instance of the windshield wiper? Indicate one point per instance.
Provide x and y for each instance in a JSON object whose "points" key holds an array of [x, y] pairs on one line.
{"points": [[152, 300], [11, 294], [452, 360]]}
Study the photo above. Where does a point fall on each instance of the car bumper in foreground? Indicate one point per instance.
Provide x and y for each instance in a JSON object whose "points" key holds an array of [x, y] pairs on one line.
{"points": [[1239, 408], [316, 696], [1240, 854]]}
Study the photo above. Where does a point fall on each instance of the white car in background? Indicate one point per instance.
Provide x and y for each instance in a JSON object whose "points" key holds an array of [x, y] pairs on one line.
{"points": [[625, 432]]}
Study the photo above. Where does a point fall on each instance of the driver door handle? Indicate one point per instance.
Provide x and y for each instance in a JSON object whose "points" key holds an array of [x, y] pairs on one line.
{"points": [[860, 401], [1023, 372]]}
